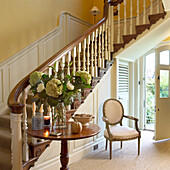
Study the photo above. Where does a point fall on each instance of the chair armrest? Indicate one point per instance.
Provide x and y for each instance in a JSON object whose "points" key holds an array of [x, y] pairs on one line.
{"points": [[107, 126], [136, 121], [131, 117], [105, 120]]}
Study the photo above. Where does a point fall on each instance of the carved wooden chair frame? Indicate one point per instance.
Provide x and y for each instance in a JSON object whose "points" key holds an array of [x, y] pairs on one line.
{"points": [[110, 138]]}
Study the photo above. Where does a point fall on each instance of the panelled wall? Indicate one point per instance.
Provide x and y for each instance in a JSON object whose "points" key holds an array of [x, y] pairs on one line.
{"points": [[18, 66]]}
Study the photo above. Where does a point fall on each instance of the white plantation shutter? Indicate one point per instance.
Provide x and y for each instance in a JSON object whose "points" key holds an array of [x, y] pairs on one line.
{"points": [[123, 78]]}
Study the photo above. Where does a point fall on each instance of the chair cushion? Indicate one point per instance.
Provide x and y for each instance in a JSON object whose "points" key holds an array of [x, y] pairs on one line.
{"points": [[120, 132]]}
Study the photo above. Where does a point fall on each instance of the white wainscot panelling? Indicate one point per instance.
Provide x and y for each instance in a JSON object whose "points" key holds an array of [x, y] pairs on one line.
{"points": [[1, 86], [104, 92], [75, 27], [20, 68], [54, 44]]}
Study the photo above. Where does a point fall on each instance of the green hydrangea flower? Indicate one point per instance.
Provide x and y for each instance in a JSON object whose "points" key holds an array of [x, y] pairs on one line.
{"points": [[85, 75], [54, 88], [35, 78]]}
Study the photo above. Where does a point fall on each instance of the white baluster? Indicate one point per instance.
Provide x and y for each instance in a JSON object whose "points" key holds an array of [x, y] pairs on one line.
{"points": [[68, 62], [125, 20], [137, 11], [88, 53], [118, 33], [106, 36], [49, 71], [84, 55], [151, 7], [16, 143], [158, 7], [103, 30], [112, 28], [79, 51], [74, 61], [56, 66], [131, 16], [99, 49], [92, 53], [95, 54], [144, 12], [25, 127], [62, 65]]}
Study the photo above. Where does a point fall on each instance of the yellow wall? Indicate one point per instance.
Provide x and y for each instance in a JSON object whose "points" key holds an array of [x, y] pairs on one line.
{"points": [[24, 21], [167, 39]]}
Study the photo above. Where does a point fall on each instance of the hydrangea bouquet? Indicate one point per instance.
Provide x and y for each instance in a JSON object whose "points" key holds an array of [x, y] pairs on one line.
{"points": [[56, 89]]}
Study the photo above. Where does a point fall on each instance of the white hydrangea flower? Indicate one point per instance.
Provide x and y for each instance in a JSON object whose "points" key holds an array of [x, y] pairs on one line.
{"points": [[70, 86], [40, 88]]}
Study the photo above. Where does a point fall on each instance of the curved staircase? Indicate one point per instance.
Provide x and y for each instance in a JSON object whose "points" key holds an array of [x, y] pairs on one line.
{"points": [[95, 54]]}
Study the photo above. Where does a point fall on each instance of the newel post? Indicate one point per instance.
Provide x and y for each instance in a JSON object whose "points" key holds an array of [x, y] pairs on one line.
{"points": [[16, 111]]}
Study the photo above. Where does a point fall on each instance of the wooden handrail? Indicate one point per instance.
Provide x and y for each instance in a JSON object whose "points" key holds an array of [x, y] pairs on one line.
{"points": [[16, 107]]}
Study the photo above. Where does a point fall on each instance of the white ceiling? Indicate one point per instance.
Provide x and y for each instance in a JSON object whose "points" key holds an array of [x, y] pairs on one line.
{"points": [[166, 4]]}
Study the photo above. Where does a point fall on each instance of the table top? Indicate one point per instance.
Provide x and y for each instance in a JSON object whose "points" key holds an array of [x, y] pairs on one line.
{"points": [[66, 134]]}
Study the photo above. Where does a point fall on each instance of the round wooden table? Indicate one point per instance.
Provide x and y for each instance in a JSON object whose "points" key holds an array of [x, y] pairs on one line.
{"points": [[66, 135]]}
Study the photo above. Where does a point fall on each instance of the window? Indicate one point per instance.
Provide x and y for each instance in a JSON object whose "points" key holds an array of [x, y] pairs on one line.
{"points": [[164, 83], [164, 57]]}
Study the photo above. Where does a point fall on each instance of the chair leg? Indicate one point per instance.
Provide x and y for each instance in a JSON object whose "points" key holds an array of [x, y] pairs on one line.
{"points": [[110, 149], [121, 144], [138, 145], [106, 144]]}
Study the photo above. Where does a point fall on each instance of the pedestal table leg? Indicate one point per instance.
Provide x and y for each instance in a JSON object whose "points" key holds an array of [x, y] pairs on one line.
{"points": [[64, 157]]}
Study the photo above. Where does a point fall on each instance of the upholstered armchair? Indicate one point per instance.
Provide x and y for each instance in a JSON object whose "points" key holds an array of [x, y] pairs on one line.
{"points": [[113, 113]]}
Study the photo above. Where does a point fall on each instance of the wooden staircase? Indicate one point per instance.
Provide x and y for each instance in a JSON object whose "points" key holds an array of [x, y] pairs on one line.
{"points": [[35, 150], [139, 30]]}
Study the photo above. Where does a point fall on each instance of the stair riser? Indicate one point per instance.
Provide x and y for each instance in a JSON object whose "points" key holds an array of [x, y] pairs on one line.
{"points": [[5, 142], [5, 123]]}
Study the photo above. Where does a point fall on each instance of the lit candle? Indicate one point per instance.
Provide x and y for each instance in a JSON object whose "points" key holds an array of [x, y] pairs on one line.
{"points": [[46, 134], [47, 120]]}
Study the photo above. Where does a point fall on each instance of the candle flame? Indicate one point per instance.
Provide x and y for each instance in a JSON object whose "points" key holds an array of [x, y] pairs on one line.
{"points": [[46, 134]]}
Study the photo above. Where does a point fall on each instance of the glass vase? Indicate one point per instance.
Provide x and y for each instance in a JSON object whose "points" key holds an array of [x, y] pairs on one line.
{"points": [[59, 116]]}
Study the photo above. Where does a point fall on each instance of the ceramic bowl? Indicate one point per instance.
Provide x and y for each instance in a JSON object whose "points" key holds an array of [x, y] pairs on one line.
{"points": [[84, 119]]}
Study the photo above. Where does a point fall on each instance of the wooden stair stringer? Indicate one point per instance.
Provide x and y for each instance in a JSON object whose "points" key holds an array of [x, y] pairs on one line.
{"points": [[145, 41]]}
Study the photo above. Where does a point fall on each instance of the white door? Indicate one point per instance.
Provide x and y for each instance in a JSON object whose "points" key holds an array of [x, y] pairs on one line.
{"points": [[123, 87], [162, 75]]}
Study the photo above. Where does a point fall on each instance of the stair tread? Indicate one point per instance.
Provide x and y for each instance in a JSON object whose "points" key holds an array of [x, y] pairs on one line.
{"points": [[5, 116], [153, 18], [5, 159], [141, 28], [101, 68], [5, 132], [5, 121], [5, 138]]}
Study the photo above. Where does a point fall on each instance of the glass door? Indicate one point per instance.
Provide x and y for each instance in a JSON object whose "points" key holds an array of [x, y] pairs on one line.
{"points": [[162, 128], [149, 118]]}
